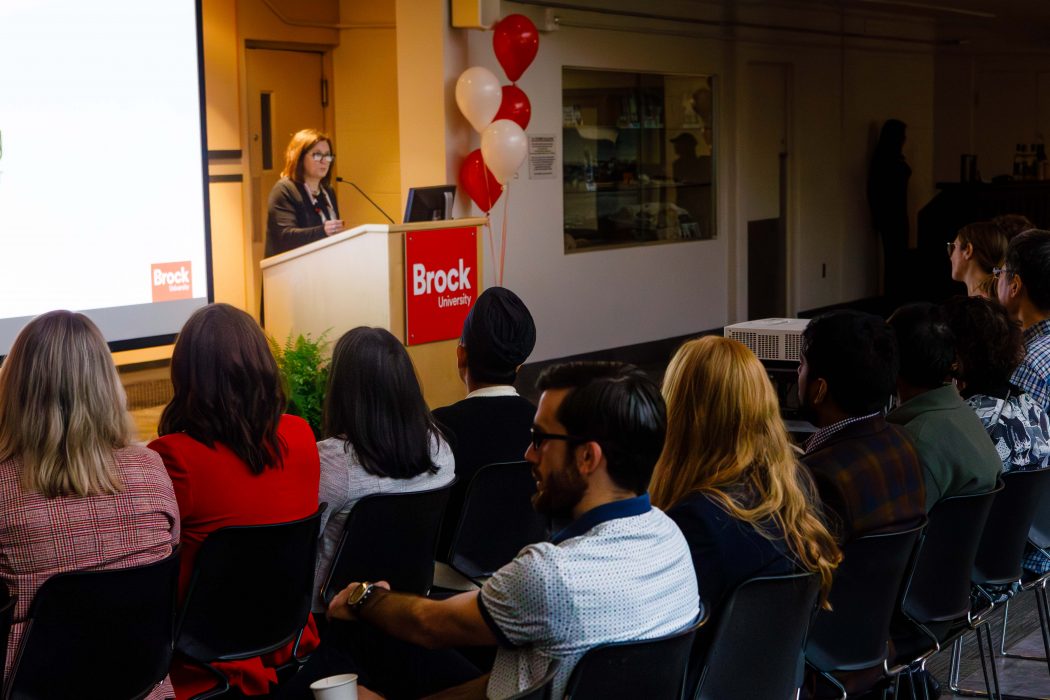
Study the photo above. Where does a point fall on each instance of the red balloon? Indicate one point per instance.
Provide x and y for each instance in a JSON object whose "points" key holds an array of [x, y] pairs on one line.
{"points": [[479, 182], [515, 41], [515, 106]]}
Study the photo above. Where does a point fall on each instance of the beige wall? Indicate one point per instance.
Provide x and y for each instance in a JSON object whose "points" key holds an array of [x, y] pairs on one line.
{"points": [[366, 128], [396, 125], [840, 88], [989, 99]]}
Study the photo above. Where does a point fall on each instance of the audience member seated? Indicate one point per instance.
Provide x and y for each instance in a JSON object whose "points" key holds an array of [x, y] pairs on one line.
{"points": [[381, 436], [729, 476], [1024, 289], [867, 471], [74, 493], [619, 570], [989, 346], [1011, 225], [977, 249], [234, 459], [492, 423], [956, 455]]}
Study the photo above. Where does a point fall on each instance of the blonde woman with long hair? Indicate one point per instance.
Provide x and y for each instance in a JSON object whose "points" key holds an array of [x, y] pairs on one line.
{"points": [[729, 476], [74, 493]]}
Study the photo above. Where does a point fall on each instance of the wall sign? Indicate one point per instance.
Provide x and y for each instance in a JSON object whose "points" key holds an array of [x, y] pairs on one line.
{"points": [[542, 157], [441, 282]]}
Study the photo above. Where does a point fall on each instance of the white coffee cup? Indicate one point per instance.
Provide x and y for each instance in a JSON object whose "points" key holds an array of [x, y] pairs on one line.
{"points": [[341, 687]]}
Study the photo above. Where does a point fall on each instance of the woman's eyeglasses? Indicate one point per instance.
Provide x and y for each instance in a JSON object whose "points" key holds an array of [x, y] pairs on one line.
{"points": [[951, 247], [325, 157], [997, 272]]}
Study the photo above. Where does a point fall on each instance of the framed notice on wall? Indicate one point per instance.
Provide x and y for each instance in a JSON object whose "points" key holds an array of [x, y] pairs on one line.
{"points": [[441, 283]]}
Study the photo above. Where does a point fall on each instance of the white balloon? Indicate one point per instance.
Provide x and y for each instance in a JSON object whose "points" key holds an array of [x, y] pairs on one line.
{"points": [[478, 94], [503, 147]]}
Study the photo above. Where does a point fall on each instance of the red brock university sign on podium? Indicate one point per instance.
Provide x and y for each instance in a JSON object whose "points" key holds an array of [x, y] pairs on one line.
{"points": [[441, 282]]}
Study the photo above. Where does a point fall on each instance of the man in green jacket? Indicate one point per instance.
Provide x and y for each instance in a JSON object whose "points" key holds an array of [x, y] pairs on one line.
{"points": [[957, 454]]}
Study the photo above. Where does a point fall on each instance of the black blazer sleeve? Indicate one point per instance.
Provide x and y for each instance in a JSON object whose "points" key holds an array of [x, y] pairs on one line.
{"points": [[291, 221]]}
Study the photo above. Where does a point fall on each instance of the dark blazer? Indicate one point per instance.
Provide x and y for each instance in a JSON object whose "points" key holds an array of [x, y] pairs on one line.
{"points": [[481, 430], [292, 220], [870, 479], [726, 551]]}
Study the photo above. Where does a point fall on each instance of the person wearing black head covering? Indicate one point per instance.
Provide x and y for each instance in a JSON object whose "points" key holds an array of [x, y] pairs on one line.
{"points": [[492, 423]]}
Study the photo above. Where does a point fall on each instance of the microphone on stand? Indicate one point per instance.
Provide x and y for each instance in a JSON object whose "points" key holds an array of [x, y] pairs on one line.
{"points": [[362, 192]]}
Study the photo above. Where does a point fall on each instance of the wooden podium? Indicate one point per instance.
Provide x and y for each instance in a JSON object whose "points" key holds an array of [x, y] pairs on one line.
{"points": [[357, 278]]}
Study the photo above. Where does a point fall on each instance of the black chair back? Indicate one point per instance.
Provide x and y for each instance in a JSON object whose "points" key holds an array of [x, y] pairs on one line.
{"points": [[541, 690], [756, 651], [497, 520], [98, 634], [1001, 549], [864, 595], [650, 668], [7, 615], [390, 537], [938, 589], [251, 590]]}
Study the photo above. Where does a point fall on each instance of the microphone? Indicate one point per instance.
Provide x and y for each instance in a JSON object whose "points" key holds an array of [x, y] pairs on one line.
{"points": [[362, 192]]}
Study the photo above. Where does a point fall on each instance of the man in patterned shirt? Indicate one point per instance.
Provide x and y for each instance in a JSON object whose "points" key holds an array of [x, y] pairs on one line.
{"points": [[867, 471], [618, 570], [1024, 289]]}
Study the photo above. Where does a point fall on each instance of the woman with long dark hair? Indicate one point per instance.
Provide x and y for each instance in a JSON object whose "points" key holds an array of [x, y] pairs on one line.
{"points": [[381, 436], [234, 459]]}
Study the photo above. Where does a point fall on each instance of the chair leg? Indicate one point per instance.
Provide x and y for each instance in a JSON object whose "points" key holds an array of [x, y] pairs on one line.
{"points": [[1006, 618], [991, 660], [991, 683], [1044, 621], [835, 682], [955, 666]]}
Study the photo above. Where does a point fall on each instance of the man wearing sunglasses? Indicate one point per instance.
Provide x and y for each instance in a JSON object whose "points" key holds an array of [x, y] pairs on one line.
{"points": [[618, 569], [1024, 289]]}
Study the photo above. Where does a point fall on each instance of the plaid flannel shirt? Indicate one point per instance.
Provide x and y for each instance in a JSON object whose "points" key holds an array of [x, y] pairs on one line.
{"points": [[1033, 374]]}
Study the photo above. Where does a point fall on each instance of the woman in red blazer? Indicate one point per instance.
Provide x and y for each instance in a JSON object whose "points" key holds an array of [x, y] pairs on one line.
{"points": [[234, 459]]}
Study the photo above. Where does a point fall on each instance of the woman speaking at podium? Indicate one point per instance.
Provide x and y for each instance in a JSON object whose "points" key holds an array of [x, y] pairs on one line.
{"points": [[302, 205]]}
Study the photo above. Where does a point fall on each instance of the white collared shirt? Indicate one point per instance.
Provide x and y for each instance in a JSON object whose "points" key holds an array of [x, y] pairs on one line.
{"points": [[489, 391]]}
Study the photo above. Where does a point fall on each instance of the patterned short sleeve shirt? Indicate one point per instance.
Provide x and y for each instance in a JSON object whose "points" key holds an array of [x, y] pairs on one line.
{"points": [[620, 572]]}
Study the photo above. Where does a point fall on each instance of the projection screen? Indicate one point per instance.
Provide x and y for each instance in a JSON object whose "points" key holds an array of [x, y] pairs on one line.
{"points": [[103, 169]]}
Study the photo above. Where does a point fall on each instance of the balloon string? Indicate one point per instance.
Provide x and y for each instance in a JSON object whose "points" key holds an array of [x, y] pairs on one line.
{"points": [[503, 238], [488, 193], [492, 236]]}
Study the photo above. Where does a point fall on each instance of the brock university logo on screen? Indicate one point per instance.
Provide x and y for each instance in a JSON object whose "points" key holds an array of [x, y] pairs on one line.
{"points": [[172, 280], [441, 283]]}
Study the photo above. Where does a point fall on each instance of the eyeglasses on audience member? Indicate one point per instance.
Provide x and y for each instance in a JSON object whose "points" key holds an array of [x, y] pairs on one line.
{"points": [[539, 437]]}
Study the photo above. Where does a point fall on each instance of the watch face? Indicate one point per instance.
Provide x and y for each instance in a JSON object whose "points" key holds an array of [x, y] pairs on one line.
{"points": [[357, 594]]}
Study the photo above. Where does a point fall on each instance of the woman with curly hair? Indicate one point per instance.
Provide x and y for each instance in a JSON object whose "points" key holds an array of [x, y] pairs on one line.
{"points": [[729, 476], [977, 248], [989, 346]]}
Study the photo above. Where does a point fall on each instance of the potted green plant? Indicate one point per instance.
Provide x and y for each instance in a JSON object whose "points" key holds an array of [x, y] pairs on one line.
{"points": [[303, 363]]}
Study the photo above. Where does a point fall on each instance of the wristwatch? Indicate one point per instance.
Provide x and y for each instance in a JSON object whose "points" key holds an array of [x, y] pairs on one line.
{"points": [[359, 595]]}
